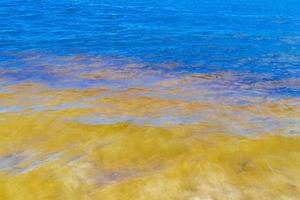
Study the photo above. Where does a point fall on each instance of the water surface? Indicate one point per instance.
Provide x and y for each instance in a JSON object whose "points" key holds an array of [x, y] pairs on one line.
{"points": [[194, 100]]}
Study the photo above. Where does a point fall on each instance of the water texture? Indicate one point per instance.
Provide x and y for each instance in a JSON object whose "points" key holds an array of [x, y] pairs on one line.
{"points": [[195, 100]]}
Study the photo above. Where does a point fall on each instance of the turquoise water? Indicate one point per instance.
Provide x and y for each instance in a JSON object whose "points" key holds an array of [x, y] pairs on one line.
{"points": [[261, 37]]}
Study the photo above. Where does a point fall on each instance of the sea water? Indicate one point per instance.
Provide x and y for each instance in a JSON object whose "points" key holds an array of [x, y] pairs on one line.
{"points": [[112, 99]]}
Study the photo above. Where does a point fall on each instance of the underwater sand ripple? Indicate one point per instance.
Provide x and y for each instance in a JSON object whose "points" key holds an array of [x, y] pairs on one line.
{"points": [[108, 128]]}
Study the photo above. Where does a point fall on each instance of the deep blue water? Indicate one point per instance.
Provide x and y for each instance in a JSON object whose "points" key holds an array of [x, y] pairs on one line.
{"points": [[202, 35]]}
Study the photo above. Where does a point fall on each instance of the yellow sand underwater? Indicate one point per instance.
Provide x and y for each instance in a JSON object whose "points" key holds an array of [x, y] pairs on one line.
{"points": [[147, 141], [49, 154]]}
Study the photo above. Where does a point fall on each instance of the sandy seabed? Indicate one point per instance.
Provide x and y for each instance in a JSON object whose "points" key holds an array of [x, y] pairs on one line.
{"points": [[140, 134]]}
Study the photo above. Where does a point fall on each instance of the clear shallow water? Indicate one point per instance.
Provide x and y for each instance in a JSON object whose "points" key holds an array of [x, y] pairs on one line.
{"points": [[170, 100]]}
